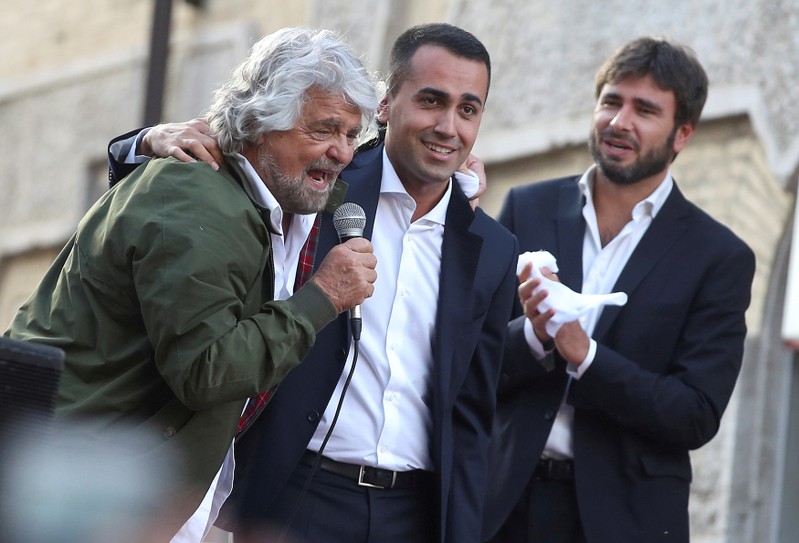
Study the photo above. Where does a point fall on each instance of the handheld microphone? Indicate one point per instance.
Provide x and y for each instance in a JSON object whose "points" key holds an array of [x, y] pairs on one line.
{"points": [[349, 220]]}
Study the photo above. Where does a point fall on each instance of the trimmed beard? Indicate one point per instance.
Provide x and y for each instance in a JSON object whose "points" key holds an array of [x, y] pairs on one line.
{"points": [[652, 163]]}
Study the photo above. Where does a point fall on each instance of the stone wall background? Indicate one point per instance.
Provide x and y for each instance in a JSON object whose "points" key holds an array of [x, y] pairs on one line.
{"points": [[73, 77]]}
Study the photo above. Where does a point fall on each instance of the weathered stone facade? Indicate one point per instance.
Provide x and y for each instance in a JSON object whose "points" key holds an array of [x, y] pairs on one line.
{"points": [[73, 77]]}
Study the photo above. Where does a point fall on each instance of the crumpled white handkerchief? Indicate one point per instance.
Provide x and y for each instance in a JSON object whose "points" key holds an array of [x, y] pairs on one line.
{"points": [[469, 182], [568, 305]]}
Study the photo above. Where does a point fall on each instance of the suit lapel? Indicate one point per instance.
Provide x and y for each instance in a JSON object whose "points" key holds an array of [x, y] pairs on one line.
{"points": [[363, 189], [460, 254], [668, 226], [571, 229]]}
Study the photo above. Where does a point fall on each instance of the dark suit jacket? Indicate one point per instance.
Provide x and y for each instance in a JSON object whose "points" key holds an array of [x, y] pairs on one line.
{"points": [[475, 299], [665, 367]]}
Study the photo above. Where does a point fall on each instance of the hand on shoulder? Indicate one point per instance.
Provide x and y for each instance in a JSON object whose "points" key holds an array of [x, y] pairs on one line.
{"points": [[187, 142]]}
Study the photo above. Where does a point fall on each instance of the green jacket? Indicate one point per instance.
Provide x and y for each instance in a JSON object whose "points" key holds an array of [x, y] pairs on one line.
{"points": [[162, 301]]}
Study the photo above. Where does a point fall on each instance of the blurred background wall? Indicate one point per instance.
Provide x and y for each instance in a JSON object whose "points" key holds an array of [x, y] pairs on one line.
{"points": [[74, 75]]}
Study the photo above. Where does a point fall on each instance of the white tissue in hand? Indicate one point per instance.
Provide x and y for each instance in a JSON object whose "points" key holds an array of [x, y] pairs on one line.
{"points": [[469, 182], [540, 259], [568, 305]]}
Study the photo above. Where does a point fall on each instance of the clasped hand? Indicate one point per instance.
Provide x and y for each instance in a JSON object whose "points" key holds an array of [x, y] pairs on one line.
{"points": [[571, 341]]}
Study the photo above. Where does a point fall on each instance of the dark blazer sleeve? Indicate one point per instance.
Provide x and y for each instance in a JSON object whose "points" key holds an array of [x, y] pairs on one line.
{"points": [[118, 149], [518, 363], [529, 390], [475, 403]]}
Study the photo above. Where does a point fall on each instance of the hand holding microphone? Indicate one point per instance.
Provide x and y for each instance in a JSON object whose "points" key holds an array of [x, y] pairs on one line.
{"points": [[347, 274]]}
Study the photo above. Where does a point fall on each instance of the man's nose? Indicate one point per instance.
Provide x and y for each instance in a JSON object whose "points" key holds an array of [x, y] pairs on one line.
{"points": [[622, 120], [445, 124], [341, 149]]}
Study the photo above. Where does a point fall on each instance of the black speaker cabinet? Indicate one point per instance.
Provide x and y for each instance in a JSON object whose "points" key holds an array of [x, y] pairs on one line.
{"points": [[29, 376]]}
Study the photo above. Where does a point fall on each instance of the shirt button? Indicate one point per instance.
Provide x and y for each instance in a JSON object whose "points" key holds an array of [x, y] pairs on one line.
{"points": [[168, 432]]}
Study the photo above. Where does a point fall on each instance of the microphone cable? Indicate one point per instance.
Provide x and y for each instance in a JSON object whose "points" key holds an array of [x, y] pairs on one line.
{"points": [[349, 220], [318, 458]]}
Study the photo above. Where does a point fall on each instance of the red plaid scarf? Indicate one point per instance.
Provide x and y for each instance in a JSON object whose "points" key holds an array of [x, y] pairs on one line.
{"points": [[257, 403]]}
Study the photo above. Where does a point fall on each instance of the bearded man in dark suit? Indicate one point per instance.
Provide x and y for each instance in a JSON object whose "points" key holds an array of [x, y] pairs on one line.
{"points": [[594, 425]]}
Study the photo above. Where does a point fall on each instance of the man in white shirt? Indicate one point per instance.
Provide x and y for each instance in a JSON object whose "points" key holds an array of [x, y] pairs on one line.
{"points": [[594, 425]]}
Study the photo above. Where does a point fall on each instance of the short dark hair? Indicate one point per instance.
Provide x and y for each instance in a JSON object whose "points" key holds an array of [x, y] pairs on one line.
{"points": [[456, 40], [674, 67]]}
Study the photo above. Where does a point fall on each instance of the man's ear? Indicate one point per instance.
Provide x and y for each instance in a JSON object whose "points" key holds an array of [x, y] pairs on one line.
{"points": [[682, 136], [382, 111]]}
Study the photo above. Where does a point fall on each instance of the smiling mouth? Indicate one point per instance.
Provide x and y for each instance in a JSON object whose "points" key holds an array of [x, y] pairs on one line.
{"points": [[439, 149]]}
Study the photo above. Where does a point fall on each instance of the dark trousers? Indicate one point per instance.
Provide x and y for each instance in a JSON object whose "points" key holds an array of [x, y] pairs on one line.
{"points": [[334, 509], [546, 513]]}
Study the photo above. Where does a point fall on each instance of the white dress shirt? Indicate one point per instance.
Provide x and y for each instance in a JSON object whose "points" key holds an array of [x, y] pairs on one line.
{"points": [[385, 418], [601, 269]]}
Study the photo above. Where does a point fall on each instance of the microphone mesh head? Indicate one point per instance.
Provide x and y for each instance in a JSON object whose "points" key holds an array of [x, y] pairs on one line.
{"points": [[349, 220]]}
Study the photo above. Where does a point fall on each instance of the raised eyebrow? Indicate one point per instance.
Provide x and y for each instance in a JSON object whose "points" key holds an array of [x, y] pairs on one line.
{"points": [[609, 96], [438, 93], [469, 97], [334, 124], [330, 122], [641, 102]]}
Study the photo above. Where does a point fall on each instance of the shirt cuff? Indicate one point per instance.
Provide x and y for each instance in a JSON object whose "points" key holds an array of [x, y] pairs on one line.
{"points": [[539, 349], [132, 157], [578, 371]]}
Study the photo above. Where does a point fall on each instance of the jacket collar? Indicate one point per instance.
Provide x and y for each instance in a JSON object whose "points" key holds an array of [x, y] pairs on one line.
{"points": [[666, 229]]}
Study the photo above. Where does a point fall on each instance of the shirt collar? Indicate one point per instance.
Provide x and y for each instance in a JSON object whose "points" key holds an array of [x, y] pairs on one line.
{"points": [[649, 206], [391, 184]]}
